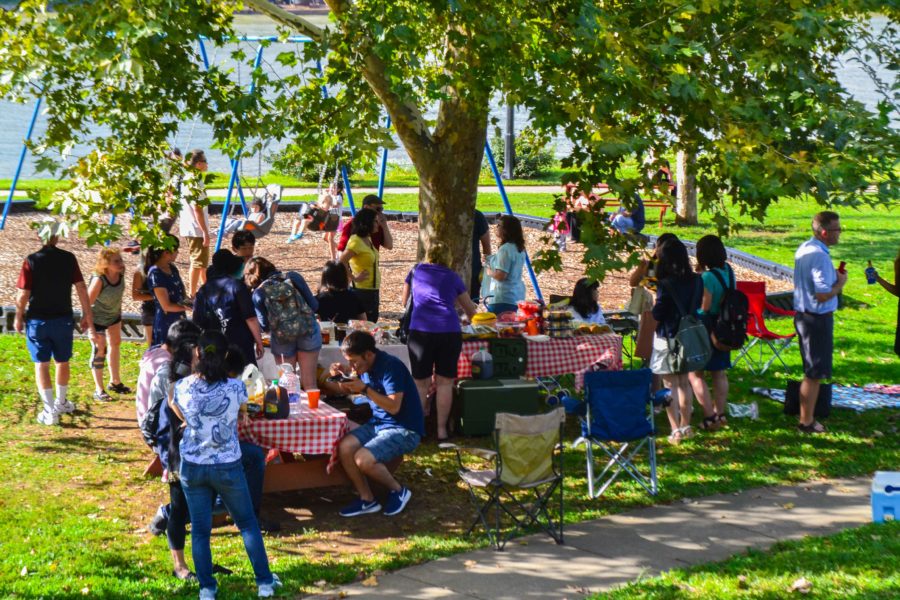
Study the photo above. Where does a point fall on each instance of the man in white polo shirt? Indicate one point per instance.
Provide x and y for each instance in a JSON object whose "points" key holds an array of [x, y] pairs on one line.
{"points": [[816, 287]]}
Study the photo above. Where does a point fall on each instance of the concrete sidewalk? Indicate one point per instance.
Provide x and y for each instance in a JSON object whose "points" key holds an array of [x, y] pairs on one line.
{"points": [[615, 550]]}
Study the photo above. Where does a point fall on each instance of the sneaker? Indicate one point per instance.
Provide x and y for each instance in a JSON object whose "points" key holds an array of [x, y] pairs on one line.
{"points": [[102, 396], [120, 388], [267, 590], [360, 507], [50, 417], [207, 594], [397, 501], [64, 407], [159, 522]]}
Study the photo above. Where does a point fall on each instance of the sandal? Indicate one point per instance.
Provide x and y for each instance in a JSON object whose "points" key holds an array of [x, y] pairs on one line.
{"points": [[723, 420], [813, 428], [675, 437], [189, 576], [687, 432], [710, 423], [120, 388], [102, 396]]}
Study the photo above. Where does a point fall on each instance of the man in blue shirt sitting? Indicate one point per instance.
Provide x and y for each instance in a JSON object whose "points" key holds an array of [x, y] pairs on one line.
{"points": [[396, 427]]}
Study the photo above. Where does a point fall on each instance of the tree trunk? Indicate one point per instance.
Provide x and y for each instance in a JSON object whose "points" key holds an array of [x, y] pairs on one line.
{"points": [[448, 189], [686, 205]]}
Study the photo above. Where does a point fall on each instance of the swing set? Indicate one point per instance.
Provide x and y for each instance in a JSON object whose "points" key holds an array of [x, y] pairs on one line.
{"points": [[236, 166]]}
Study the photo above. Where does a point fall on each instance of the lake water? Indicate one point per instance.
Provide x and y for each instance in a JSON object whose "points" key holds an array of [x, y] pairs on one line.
{"points": [[14, 118]]}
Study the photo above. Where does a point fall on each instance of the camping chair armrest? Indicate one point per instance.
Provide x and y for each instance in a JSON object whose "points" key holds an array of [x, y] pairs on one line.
{"points": [[479, 452], [780, 311]]}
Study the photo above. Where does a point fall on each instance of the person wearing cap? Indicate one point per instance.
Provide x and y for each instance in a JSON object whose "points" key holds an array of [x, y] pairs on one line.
{"points": [[382, 237], [45, 288], [224, 303]]}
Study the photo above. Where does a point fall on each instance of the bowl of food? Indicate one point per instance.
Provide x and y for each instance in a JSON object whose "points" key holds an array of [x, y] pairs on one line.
{"points": [[510, 329]]}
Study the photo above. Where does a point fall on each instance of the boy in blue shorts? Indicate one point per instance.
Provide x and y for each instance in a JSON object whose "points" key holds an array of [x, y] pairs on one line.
{"points": [[45, 288], [396, 427]]}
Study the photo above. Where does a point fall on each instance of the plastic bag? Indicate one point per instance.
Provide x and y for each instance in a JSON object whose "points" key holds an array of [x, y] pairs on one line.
{"points": [[255, 384]]}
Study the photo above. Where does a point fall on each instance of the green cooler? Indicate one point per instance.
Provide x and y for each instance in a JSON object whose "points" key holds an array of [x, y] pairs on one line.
{"points": [[479, 400]]}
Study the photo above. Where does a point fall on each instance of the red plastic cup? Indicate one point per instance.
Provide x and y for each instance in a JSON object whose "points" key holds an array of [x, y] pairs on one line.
{"points": [[312, 396]]}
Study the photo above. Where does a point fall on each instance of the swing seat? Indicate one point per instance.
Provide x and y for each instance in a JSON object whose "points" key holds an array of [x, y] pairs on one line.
{"points": [[272, 198]]}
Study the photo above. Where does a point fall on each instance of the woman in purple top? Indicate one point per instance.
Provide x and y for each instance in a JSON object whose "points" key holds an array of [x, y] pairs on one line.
{"points": [[435, 337]]}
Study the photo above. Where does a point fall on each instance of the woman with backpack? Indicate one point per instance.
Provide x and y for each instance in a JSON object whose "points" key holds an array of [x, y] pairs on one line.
{"points": [[285, 307], [678, 297], [717, 276]]}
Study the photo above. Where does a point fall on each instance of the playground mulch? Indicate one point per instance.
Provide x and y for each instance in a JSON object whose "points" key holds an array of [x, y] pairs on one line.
{"points": [[308, 255]]}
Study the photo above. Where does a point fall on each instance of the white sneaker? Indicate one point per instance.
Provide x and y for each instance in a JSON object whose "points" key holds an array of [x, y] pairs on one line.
{"points": [[267, 590], [48, 417], [207, 594], [64, 407]]}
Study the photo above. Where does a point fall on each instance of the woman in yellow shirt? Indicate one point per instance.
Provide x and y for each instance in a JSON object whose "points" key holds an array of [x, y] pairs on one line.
{"points": [[361, 258]]}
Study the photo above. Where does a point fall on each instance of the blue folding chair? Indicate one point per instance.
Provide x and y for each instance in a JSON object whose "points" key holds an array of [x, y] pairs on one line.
{"points": [[618, 421]]}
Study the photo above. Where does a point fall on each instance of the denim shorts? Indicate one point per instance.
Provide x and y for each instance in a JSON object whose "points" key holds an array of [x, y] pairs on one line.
{"points": [[310, 343], [387, 444], [50, 338]]}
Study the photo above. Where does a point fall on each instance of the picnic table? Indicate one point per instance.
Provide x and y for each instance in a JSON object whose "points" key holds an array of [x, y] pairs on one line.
{"points": [[556, 356], [312, 433]]}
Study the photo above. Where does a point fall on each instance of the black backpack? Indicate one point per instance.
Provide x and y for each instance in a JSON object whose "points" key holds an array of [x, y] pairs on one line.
{"points": [[730, 329]]}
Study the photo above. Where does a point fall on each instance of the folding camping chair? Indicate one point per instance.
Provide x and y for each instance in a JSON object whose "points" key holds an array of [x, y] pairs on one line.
{"points": [[756, 328], [272, 198], [527, 462], [619, 421]]}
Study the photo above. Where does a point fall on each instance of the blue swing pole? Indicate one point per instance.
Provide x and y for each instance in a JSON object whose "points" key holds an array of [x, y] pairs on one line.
{"points": [[15, 181], [344, 177], [503, 196], [383, 169], [235, 163]]}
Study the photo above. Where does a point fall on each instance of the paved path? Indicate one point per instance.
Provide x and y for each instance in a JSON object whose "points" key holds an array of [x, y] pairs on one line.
{"points": [[602, 554]]}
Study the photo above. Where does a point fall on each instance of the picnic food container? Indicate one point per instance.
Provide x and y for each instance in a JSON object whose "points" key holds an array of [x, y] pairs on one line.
{"points": [[485, 319]]}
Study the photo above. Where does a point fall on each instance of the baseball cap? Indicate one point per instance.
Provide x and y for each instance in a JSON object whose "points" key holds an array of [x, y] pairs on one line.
{"points": [[372, 199]]}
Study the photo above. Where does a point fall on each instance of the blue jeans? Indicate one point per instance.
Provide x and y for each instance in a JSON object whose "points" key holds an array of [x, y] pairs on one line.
{"points": [[253, 460], [200, 484]]}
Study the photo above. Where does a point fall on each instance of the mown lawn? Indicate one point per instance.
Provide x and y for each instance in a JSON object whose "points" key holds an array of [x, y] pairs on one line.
{"points": [[857, 563], [74, 504]]}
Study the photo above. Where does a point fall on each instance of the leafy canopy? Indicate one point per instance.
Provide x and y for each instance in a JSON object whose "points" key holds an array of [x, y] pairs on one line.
{"points": [[749, 88]]}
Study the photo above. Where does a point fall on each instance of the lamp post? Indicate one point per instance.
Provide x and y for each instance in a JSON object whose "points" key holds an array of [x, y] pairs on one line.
{"points": [[509, 147]]}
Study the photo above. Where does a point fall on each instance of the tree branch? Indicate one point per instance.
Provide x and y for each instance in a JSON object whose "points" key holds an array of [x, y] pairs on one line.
{"points": [[289, 19], [409, 123]]}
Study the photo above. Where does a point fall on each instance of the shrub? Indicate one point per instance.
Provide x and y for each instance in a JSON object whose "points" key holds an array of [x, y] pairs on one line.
{"points": [[534, 153]]}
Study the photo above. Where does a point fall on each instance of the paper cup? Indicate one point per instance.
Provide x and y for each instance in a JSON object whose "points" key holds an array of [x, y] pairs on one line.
{"points": [[312, 396]]}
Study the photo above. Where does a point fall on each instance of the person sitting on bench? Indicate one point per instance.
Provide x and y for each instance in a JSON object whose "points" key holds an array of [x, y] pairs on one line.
{"points": [[625, 221], [396, 427]]}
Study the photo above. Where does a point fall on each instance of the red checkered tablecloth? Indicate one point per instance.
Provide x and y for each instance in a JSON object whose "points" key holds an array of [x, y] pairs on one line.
{"points": [[311, 432], [556, 356]]}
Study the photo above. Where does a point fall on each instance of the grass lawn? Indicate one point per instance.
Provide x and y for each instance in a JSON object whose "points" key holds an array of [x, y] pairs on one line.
{"points": [[852, 564], [74, 504]]}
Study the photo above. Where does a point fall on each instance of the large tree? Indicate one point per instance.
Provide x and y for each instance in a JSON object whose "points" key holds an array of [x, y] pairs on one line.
{"points": [[748, 89]]}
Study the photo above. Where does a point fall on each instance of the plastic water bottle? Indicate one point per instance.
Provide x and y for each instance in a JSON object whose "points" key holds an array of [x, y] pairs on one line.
{"points": [[291, 383]]}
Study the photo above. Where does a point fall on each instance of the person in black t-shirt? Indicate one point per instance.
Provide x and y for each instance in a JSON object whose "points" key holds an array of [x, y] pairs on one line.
{"points": [[45, 287], [481, 242], [337, 303]]}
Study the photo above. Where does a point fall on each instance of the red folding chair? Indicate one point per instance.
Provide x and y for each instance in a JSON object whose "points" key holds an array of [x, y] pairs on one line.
{"points": [[763, 338]]}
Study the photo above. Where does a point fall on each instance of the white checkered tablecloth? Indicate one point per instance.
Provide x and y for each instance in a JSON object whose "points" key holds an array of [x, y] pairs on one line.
{"points": [[311, 432], [556, 356]]}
